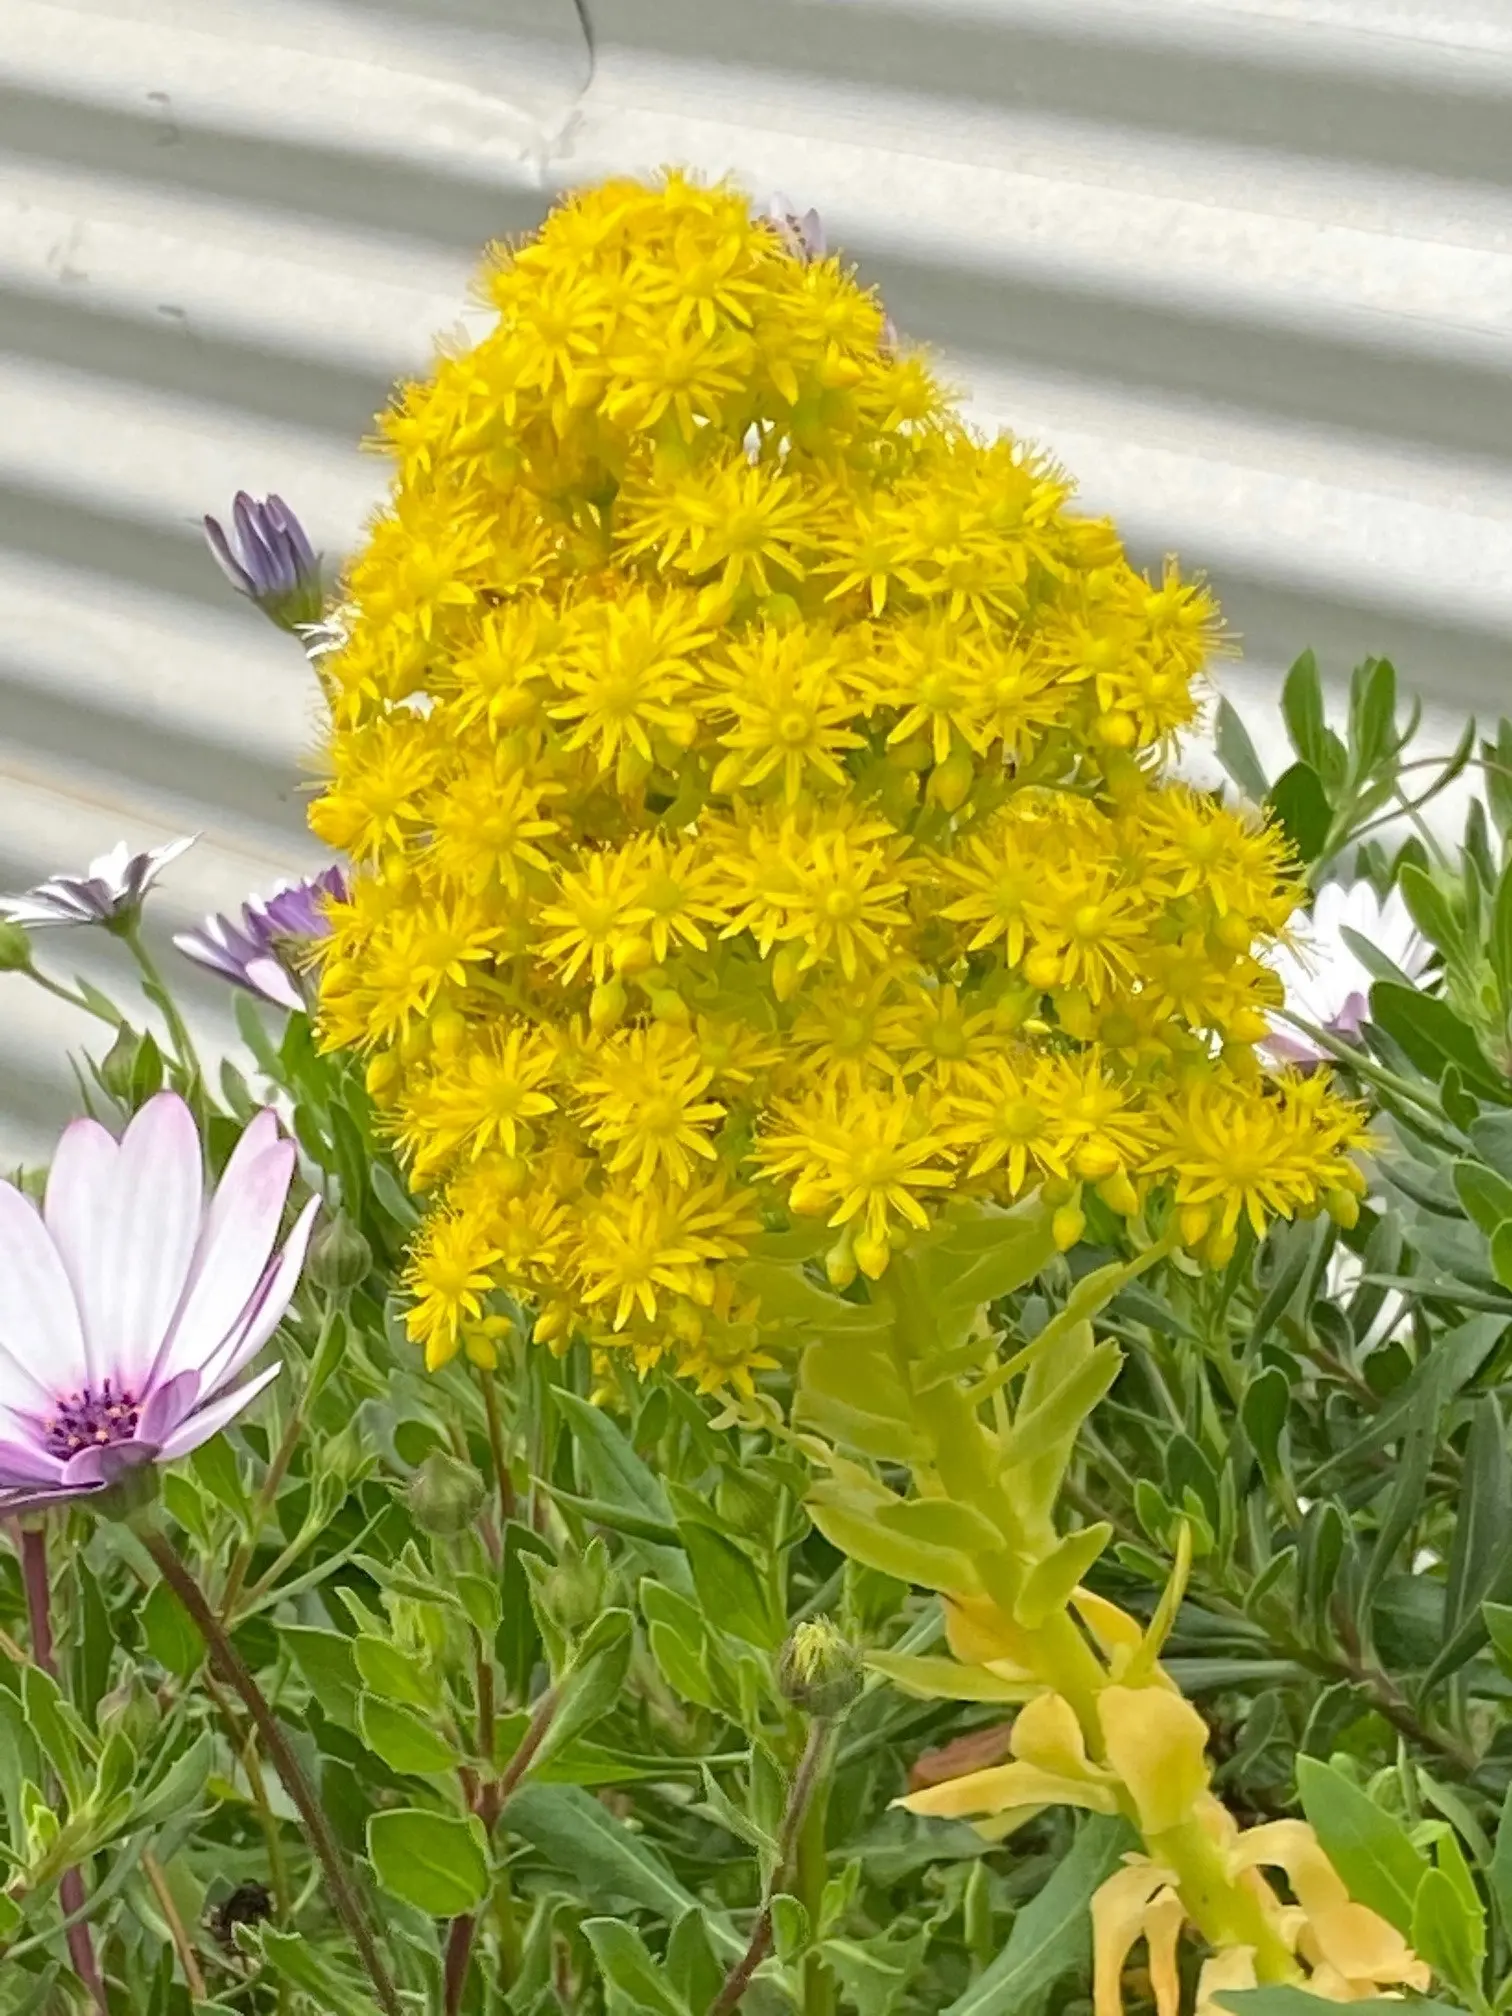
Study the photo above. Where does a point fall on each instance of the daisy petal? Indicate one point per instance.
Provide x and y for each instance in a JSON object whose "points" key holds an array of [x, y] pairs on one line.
{"points": [[210, 1420], [22, 1464], [79, 1186], [232, 1252], [265, 1310], [146, 1233], [40, 1332], [167, 1405]]}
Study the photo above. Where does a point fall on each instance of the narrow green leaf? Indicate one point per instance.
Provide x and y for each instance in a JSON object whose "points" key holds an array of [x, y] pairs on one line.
{"points": [[1369, 1848], [629, 1970], [1447, 1933], [1486, 1196], [1500, 1871], [1048, 1585], [1430, 908], [1432, 1035], [1500, 943], [1302, 710], [170, 1633], [1236, 752], [613, 1472], [392, 1673], [326, 1665]]}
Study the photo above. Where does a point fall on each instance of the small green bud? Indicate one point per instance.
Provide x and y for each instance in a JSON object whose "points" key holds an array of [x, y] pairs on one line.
{"points": [[340, 1258], [818, 1670], [445, 1496], [118, 1067], [15, 948], [132, 1707], [573, 1591]]}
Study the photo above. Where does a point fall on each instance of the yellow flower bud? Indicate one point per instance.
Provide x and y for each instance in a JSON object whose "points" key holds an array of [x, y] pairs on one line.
{"points": [[1194, 1220], [1116, 730], [840, 1262], [607, 1006], [1218, 1247], [809, 1200], [381, 1074], [872, 1255], [1095, 1158], [1042, 967], [667, 1005], [950, 781], [1248, 1026], [1119, 1194], [787, 972], [1067, 1227], [1343, 1207], [633, 955]]}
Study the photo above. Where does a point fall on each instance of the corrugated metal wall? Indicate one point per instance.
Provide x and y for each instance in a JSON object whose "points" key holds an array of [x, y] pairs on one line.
{"points": [[1245, 264]]}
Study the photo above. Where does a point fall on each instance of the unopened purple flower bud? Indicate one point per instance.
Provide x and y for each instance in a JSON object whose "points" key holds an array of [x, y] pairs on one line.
{"points": [[267, 557]]}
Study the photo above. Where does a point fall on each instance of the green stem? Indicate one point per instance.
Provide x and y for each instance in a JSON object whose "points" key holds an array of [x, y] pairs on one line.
{"points": [[496, 1447], [55, 987], [805, 1780], [278, 1467], [811, 1873], [224, 1655], [130, 933]]}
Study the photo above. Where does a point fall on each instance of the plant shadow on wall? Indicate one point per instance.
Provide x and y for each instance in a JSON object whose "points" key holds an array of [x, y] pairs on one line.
{"points": [[895, 1401]]}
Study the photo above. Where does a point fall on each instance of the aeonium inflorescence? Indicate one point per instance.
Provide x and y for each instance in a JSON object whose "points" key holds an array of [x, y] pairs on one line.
{"points": [[756, 783]]}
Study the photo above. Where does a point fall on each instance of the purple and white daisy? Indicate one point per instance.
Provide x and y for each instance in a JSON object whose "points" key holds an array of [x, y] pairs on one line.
{"points": [[110, 890], [1327, 982], [255, 950], [130, 1302], [268, 558]]}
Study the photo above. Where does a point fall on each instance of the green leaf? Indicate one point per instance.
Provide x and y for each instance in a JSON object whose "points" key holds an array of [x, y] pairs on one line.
{"points": [[1236, 752], [691, 1966], [1369, 1848], [63, 1739], [1500, 1871], [1052, 1934], [1483, 1515], [611, 1865], [593, 1682], [390, 1672], [1302, 710], [1263, 1411], [1049, 1583], [635, 1980], [1447, 1934], [292, 1959], [941, 1522], [326, 1665], [1432, 1035], [171, 1634], [1302, 811], [729, 1585], [1500, 944], [437, 1863], [848, 1521], [613, 1472], [876, 1973], [1372, 717], [682, 1664], [1501, 1253], [1430, 908], [1059, 1416], [1486, 1196], [401, 1738]]}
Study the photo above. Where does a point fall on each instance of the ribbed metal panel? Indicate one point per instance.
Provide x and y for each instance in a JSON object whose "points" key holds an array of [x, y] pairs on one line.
{"points": [[1246, 265]]}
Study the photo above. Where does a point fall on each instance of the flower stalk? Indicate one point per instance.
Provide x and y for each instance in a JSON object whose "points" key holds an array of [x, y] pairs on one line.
{"points": [[233, 1670]]}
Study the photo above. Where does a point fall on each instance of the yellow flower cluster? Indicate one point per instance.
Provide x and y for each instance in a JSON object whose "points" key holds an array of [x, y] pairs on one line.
{"points": [[756, 779]]}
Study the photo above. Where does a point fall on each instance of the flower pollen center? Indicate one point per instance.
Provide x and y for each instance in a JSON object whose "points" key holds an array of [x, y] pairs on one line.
{"points": [[88, 1419]]}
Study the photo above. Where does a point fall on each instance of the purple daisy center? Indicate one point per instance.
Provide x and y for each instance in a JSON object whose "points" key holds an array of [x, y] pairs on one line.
{"points": [[91, 1420]]}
